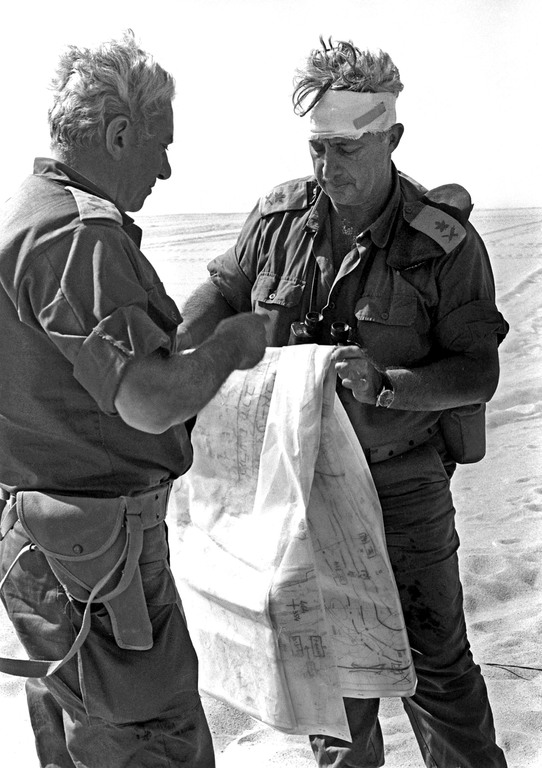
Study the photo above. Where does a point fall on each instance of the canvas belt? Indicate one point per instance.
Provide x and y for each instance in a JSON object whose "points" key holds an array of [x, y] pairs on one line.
{"points": [[396, 448], [139, 512]]}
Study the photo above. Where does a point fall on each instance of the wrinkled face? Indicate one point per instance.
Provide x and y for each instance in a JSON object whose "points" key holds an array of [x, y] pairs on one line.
{"points": [[145, 161], [352, 171]]}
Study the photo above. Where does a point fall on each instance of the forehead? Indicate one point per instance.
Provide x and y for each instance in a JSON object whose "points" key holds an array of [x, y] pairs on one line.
{"points": [[161, 126], [335, 141]]}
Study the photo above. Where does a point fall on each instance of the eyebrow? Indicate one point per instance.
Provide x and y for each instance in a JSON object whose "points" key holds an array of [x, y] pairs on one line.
{"points": [[337, 140]]}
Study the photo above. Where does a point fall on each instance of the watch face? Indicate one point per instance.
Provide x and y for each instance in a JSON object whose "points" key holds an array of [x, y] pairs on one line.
{"points": [[385, 398]]}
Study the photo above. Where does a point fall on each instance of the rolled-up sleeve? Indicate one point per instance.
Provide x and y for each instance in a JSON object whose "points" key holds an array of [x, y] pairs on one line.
{"points": [[101, 307], [234, 272], [103, 355], [467, 315], [469, 325], [227, 275]]}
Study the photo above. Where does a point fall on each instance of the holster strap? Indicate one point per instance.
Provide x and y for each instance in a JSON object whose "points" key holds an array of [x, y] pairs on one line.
{"points": [[8, 512], [143, 511]]}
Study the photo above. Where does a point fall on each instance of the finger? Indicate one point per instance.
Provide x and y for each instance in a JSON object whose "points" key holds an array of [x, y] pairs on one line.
{"points": [[352, 369], [351, 383], [348, 353]]}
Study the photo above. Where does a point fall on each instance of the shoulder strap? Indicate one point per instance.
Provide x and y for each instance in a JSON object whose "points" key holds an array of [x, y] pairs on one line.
{"points": [[444, 229], [295, 195], [452, 199], [430, 226]]}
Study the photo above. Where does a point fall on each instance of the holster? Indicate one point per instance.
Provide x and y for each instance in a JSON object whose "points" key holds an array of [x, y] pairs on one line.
{"points": [[464, 432], [93, 547]]}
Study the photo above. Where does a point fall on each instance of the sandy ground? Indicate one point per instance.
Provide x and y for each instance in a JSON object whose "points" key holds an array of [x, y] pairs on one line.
{"points": [[499, 503]]}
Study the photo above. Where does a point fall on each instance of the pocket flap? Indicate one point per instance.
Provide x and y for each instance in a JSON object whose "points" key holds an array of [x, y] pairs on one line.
{"points": [[276, 289], [401, 310], [70, 528]]}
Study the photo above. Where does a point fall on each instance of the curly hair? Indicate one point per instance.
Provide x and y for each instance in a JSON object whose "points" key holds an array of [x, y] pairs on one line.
{"points": [[342, 66], [92, 86]]}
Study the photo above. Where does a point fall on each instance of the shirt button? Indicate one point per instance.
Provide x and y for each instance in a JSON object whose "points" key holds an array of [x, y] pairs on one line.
{"points": [[272, 296], [77, 548], [384, 315], [331, 305]]}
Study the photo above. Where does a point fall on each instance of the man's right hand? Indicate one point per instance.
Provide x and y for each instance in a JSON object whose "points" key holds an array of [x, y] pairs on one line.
{"points": [[157, 392], [244, 333]]}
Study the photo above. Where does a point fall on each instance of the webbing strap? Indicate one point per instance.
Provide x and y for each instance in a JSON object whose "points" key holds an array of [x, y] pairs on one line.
{"points": [[8, 518], [132, 551]]}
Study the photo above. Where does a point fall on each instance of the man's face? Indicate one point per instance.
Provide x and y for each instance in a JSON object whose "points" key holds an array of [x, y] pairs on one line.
{"points": [[352, 171], [145, 161]]}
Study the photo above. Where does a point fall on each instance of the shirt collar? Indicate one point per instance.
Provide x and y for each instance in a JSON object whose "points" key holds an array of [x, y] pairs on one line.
{"points": [[380, 229], [64, 174]]}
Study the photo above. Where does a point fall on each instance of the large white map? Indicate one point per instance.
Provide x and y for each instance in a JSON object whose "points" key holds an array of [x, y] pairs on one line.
{"points": [[283, 568]]}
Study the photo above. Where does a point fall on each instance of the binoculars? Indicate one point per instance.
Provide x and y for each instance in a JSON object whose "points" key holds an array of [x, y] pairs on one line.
{"points": [[309, 331]]}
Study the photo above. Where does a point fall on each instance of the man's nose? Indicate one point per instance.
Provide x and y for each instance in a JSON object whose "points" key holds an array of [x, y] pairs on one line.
{"points": [[165, 170], [331, 166]]}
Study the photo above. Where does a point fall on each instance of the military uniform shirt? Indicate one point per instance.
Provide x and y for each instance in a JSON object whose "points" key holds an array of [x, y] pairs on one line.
{"points": [[416, 286], [78, 301]]}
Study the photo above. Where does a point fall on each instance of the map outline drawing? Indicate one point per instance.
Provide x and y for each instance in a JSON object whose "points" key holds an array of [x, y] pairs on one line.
{"points": [[283, 568]]}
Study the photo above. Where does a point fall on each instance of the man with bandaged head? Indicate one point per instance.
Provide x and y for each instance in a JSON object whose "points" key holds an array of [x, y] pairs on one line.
{"points": [[363, 255], [97, 401]]}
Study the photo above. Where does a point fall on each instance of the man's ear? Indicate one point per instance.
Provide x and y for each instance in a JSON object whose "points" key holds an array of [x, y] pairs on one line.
{"points": [[395, 134], [118, 135]]}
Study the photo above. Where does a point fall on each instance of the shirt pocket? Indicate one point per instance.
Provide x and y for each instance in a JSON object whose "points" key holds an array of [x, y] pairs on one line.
{"points": [[277, 289], [390, 310]]}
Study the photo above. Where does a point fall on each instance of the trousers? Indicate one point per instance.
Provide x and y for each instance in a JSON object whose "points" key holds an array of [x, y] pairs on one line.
{"points": [[108, 707], [450, 712]]}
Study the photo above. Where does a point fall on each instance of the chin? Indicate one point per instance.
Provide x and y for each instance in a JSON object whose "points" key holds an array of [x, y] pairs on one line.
{"points": [[342, 194], [347, 200], [135, 206]]}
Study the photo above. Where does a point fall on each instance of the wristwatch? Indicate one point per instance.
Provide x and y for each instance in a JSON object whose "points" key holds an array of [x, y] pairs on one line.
{"points": [[386, 395]]}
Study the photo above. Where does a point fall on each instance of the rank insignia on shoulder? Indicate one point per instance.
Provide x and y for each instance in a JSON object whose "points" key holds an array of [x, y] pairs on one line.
{"points": [[292, 196], [436, 224], [93, 207]]}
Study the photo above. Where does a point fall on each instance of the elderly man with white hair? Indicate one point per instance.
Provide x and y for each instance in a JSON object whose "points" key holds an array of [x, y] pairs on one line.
{"points": [[364, 254], [96, 396]]}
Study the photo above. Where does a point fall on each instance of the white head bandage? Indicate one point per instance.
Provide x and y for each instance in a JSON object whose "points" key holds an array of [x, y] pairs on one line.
{"points": [[350, 114]]}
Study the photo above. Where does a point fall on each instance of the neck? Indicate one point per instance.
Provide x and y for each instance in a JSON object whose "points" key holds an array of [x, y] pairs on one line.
{"points": [[94, 167], [357, 218]]}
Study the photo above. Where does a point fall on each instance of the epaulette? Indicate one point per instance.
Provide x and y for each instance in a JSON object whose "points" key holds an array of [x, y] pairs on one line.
{"points": [[293, 195], [441, 214], [93, 207], [451, 198], [433, 225]]}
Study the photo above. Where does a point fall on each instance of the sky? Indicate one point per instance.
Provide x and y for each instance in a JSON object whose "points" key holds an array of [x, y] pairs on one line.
{"points": [[469, 105]]}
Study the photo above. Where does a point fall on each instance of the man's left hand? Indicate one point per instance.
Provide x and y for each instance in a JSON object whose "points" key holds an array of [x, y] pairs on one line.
{"points": [[358, 373]]}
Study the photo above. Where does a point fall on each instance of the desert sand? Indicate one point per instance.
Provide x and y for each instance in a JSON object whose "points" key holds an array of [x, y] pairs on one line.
{"points": [[499, 506]]}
